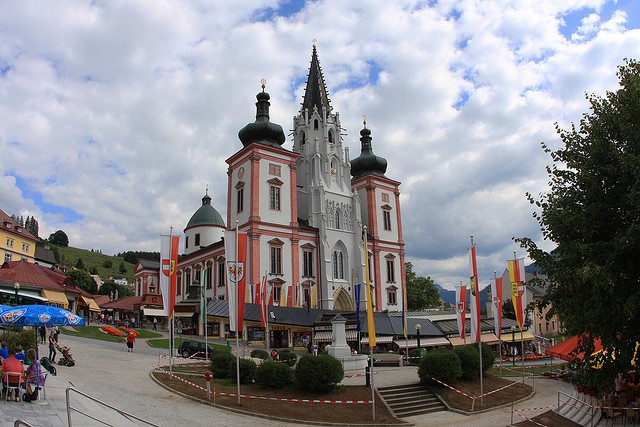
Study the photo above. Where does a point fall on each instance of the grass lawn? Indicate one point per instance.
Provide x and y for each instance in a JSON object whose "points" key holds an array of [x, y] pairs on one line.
{"points": [[94, 332], [350, 414], [164, 343]]}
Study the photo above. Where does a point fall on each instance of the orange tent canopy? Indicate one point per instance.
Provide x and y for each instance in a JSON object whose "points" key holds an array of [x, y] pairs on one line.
{"points": [[566, 349]]}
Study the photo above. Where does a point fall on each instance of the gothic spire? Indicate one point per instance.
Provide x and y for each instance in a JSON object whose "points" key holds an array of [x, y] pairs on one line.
{"points": [[315, 94]]}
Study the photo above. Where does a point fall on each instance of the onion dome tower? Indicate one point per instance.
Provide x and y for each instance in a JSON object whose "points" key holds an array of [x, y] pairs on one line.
{"points": [[367, 162], [262, 130], [204, 228]]}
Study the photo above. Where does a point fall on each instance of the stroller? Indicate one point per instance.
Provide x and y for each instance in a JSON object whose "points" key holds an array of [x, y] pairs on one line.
{"points": [[67, 358]]}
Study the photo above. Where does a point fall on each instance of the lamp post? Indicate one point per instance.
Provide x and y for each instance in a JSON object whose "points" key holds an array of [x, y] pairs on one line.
{"points": [[513, 345], [16, 287], [418, 326]]}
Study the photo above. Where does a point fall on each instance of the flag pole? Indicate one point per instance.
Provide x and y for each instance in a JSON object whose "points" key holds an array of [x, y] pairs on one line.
{"points": [[369, 327], [170, 310], [479, 333], [499, 329], [237, 291]]}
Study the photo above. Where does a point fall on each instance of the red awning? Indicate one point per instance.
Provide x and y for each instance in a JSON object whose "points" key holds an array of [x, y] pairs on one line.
{"points": [[566, 349]]}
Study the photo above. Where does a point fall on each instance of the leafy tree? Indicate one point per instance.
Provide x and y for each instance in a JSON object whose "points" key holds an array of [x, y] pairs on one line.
{"points": [[122, 269], [80, 264], [508, 312], [59, 238], [592, 213], [107, 263], [421, 291], [93, 270], [110, 286], [82, 279]]}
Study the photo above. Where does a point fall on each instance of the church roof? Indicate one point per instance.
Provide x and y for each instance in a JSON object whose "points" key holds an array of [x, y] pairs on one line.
{"points": [[315, 94], [262, 130], [206, 214], [367, 163]]}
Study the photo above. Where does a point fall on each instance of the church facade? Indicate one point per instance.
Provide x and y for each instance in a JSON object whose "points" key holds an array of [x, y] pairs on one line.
{"points": [[305, 211]]}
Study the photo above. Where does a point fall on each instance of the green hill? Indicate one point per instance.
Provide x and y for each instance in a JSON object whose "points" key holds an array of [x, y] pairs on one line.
{"points": [[106, 265]]}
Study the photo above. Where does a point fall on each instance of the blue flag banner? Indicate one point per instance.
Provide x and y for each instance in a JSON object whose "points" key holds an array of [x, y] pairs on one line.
{"points": [[357, 291]]}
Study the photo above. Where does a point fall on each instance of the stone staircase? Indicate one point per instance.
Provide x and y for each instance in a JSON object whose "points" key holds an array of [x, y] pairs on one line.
{"points": [[409, 400], [580, 408]]}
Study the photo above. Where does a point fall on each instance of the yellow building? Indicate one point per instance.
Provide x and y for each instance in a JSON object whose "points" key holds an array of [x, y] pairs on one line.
{"points": [[16, 243]]}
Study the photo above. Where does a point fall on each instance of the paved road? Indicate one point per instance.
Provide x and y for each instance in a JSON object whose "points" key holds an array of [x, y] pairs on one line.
{"points": [[108, 372]]}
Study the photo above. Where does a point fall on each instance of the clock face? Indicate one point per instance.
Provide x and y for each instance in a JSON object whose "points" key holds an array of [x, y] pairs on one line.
{"points": [[333, 171], [240, 173]]}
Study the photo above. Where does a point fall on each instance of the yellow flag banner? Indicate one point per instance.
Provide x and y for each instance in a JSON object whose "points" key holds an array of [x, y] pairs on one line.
{"points": [[371, 327]]}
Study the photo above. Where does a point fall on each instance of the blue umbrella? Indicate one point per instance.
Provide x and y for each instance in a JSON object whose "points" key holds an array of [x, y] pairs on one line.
{"points": [[39, 315]]}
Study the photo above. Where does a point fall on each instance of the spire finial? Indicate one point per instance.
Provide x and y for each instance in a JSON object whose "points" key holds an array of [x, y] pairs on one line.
{"points": [[314, 43], [206, 189], [364, 121], [263, 82]]}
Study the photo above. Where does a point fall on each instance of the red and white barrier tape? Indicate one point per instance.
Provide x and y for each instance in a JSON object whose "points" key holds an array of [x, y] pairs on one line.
{"points": [[501, 388], [281, 399], [452, 388], [530, 420], [535, 409]]}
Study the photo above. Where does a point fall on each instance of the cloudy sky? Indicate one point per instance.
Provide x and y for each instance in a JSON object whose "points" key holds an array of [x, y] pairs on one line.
{"points": [[116, 115]]}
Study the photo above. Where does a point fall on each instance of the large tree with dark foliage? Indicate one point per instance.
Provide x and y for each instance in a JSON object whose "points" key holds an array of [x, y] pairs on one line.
{"points": [[59, 238], [421, 291], [82, 279], [592, 213]]}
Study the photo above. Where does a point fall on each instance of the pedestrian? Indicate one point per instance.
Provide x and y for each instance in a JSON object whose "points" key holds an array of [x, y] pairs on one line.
{"points": [[56, 331], [274, 355], [52, 347], [155, 323], [315, 350], [131, 338], [43, 334]]}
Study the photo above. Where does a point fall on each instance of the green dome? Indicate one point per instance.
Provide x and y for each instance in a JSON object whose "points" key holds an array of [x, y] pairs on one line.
{"points": [[206, 215]]}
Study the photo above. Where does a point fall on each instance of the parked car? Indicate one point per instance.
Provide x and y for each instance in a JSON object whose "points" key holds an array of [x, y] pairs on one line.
{"points": [[195, 349]]}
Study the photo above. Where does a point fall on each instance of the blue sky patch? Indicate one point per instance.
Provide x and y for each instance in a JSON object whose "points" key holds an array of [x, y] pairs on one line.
{"points": [[462, 100], [573, 19], [68, 215]]}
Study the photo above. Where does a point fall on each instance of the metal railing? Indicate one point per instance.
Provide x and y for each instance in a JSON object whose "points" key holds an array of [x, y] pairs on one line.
{"points": [[71, 408], [18, 423], [581, 406]]}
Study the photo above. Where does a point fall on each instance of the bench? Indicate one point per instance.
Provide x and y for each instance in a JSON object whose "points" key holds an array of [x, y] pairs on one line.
{"points": [[391, 359]]}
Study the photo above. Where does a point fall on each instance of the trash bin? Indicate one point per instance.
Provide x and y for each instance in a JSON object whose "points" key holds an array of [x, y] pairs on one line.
{"points": [[229, 344], [423, 352]]}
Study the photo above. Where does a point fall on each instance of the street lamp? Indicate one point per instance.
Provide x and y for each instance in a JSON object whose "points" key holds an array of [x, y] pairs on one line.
{"points": [[418, 326], [513, 345], [16, 287]]}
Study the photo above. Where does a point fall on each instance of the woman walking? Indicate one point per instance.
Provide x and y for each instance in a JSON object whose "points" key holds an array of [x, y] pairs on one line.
{"points": [[52, 347]]}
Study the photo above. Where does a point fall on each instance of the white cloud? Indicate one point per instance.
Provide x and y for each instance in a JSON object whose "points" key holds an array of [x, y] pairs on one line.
{"points": [[122, 113]]}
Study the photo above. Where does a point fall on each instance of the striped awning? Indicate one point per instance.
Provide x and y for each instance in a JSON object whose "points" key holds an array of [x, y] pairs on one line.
{"points": [[154, 312], [56, 297], [91, 303], [183, 313], [424, 342], [384, 339], [327, 336]]}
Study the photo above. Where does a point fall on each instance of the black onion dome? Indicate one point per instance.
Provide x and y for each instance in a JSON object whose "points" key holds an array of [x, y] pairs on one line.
{"points": [[206, 214], [262, 130], [367, 162]]}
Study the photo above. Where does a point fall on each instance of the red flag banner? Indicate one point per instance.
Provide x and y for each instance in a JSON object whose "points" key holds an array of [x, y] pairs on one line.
{"points": [[169, 263], [264, 302], [474, 298], [236, 276], [461, 308], [518, 296], [496, 305]]}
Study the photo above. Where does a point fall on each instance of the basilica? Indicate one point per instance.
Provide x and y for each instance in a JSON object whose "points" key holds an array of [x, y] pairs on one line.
{"points": [[305, 209]]}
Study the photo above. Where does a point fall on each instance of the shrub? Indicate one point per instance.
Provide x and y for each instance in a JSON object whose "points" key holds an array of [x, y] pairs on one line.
{"points": [[288, 357], [442, 364], [260, 354], [23, 337], [319, 373], [469, 361], [247, 371], [222, 364], [414, 356], [488, 357], [272, 374]]}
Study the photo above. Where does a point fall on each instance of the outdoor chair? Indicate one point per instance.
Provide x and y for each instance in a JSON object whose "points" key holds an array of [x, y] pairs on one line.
{"points": [[11, 384], [612, 414]]}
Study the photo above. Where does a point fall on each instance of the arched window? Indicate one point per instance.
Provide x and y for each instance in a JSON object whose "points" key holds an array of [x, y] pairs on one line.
{"points": [[315, 124], [330, 137], [338, 265], [302, 139], [338, 219]]}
